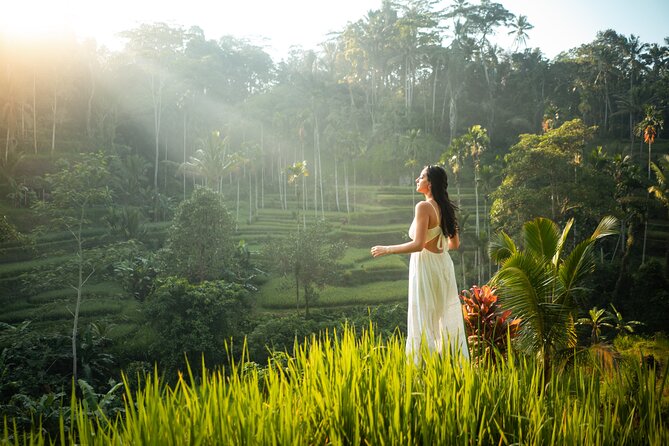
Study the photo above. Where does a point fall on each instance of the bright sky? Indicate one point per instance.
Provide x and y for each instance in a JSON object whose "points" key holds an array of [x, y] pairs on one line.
{"points": [[279, 24]]}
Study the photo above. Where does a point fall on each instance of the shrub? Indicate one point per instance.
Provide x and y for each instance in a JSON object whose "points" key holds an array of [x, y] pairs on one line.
{"points": [[194, 320], [488, 326]]}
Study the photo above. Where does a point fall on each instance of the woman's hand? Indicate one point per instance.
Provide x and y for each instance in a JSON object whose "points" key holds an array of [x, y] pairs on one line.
{"points": [[378, 251]]}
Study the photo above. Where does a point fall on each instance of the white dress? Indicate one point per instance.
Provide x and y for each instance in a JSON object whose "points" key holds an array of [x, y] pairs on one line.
{"points": [[435, 312]]}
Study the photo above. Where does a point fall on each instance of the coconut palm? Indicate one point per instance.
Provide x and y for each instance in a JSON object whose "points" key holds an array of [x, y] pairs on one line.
{"points": [[538, 284], [519, 30], [212, 161]]}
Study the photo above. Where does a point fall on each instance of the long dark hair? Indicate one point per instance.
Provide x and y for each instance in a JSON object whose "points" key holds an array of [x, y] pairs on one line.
{"points": [[436, 175]]}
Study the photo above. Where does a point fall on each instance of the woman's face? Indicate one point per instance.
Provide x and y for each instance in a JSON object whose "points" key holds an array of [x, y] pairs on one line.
{"points": [[422, 183]]}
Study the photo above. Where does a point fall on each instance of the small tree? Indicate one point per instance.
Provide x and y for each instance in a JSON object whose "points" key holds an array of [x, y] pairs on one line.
{"points": [[309, 256], [196, 320], [597, 320], [199, 244], [73, 191]]}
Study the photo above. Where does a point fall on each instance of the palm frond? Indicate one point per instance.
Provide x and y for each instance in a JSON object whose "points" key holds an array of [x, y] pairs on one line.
{"points": [[523, 284], [574, 268], [560, 244], [562, 333], [501, 247], [659, 194], [608, 225], [541, 237], [659, 174]]}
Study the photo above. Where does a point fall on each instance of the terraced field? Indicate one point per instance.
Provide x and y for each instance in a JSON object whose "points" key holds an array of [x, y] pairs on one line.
{"points": [[381, 216]]}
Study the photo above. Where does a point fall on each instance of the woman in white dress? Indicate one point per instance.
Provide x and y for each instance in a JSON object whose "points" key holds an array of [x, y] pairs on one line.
{"points": [[435, 313]]}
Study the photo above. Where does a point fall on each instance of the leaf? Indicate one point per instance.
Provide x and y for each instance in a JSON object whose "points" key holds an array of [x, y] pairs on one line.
{"points": [[560, 244], [501, 247], [541, 237], [608, 225]]}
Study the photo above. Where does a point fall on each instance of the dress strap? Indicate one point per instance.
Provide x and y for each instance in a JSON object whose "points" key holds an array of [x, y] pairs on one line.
{"points": [[440, 242], [436, 212]]}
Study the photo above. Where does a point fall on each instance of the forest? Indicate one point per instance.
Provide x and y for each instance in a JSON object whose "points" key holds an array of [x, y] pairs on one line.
{"points": [[185, 228]]}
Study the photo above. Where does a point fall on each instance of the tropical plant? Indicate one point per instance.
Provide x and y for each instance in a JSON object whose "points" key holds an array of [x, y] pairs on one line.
{"points": [[597, 319], [74, 190], [212, 161], [619, 324], [196, 321], [539, 283], [489, 327], [199, 244], [542, 177], [294, 172], [309, 257], [649, 127], [519, 31], [660, 190]]}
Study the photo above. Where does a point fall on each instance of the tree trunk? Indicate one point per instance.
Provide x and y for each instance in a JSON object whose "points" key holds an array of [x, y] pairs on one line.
{"points": [[184, 157], [462, 265], [35, 112], [297, 290], [336, 178], [354, 186], [237, 213], [434, 97], [250, 199], [478, 227], [55, 113], [7, 145], [348, 207], [89, 108]]}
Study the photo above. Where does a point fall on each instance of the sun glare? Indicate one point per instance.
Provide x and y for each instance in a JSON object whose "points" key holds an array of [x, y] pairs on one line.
{"points": [[33, 19]]}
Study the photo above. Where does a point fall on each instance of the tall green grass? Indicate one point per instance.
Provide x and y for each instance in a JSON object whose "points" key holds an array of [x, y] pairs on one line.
{"points": [[359, 390]]}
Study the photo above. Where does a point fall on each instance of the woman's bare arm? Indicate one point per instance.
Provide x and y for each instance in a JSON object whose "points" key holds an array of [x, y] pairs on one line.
{"points": [[422, 219], [454, 242]]}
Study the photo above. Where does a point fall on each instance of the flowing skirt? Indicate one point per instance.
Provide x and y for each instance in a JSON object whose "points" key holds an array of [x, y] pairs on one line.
{"points": [[435, 312]]}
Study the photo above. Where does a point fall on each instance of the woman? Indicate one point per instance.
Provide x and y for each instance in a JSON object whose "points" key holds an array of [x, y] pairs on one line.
{"points": [[435, 314]]}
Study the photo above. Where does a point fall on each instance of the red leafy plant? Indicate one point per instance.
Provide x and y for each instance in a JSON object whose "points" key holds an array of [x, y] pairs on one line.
{"points": [[487, 324]]}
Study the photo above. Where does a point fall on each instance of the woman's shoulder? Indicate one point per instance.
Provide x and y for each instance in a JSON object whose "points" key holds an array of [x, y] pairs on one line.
{"points": [[427, 208], [423, 205]]}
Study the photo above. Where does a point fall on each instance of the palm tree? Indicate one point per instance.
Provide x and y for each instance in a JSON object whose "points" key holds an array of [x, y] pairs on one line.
{"points": [[411, 148], [538, 284], [295, 172], [649, 127], [519, 30], [476, 141], [633, 49], [212, 161]]}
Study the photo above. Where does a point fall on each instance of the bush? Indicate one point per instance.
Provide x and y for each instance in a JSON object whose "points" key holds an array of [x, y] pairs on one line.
{"points": [[195, 320], [488, 325], [199, 245]]}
